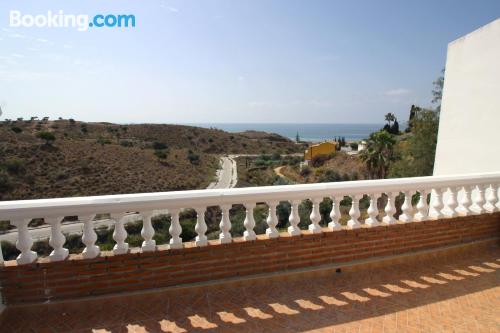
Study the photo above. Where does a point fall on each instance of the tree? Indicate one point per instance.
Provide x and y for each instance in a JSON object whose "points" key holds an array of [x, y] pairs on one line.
{"points": [[390, 117], [379, 154], [437, 92], [395, 128], [48, 137], [297, 137]]}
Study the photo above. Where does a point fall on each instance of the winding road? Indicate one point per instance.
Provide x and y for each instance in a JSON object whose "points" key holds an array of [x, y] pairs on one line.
{"points": [[227, 175]]}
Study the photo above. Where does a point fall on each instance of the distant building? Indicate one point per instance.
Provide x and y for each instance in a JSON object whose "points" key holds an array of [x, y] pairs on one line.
{"points": [[362, 145], [323, 148]]}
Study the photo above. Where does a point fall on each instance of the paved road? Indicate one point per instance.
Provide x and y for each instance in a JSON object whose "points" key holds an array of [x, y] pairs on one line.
{"points": [[227, 176], [43, 232]]}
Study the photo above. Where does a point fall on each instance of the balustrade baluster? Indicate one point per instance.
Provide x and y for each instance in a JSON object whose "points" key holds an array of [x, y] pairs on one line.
{"points": [[24, 242], [175, 229], [89, 238], [389, 209], [315, 217], [294, 219], [407, 208], [372, 211], [225, 225], [335, 214], [200, 227], [272, 220], [147, 232], [478, 200], [249, 223], [436, 204], [354, 213], [422, 208], [496, 188], [119, 234], [463, 208], [57, 239], [451, 205], [491, 200]]}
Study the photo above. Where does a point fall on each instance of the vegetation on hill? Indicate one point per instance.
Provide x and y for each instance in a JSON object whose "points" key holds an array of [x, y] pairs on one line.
{"points": [[45, 159]]}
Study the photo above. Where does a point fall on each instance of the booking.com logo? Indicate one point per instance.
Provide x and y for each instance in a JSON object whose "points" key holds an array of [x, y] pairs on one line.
{"points": [[80, 22]]}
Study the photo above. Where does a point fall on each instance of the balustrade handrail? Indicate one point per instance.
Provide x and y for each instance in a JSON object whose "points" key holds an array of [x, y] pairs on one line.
{"points": [[53, 211], [23, 209]]}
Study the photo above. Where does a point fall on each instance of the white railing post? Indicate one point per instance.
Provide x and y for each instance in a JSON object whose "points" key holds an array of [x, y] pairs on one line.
{"points": [[225, 225], [175, 229], [294, 219], [491, 200], [57, 239], [272, 220], [407, 208], [478, 201], [335, 214], [89, 238], [372, 211], [315, 217], [200, 227], [389, 209], [147, 232], [451, 205], [463, 208], [496, 187], [354, 213], [422, 209], [249, 223], [119, 234], [436, 205], [24, 242]]}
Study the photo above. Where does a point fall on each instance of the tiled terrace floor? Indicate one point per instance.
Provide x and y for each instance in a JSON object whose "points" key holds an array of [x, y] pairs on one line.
{"points": [[457, 293]]}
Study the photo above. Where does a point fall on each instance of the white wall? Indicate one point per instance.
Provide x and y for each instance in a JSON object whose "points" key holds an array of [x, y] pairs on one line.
{"points": [[469, 128]]}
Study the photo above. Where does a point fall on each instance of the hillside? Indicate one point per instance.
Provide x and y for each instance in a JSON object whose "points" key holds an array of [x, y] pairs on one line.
{"points": [[102, 158]]}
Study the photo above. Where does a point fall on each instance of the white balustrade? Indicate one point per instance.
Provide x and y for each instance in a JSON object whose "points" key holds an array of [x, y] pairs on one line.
{"points": [[451, 204], [147, 232], [335, 214], [478, 201], [225, 225], [372, 211], [354, 213], [57, 239], [272, 220], [491, 200], [468, 190], [496, 188], [200, 227], [24, 242], [315, 217], [89, 238], [407, 208], [175, 230], [436, 204], [422, 208], [119, 234], [390, 209], [294, 219], [249, 223], [463, 208]]}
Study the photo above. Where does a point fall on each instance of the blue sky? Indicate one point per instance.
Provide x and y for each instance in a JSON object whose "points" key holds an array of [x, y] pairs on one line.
{"points": [[232, 61]]}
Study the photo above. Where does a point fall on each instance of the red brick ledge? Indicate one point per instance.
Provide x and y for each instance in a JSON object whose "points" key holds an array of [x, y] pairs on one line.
{"points": [[136, 271]]}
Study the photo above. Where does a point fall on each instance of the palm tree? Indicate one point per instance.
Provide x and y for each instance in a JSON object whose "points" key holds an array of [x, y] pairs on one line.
{"points": [[390, 117], [379, 154]]}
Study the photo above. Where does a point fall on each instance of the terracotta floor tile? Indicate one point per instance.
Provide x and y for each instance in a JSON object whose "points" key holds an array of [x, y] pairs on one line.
{"points": [[455, 293]]}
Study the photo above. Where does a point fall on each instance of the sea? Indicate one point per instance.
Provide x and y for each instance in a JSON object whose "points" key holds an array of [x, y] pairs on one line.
{"points": [[307, 132]]}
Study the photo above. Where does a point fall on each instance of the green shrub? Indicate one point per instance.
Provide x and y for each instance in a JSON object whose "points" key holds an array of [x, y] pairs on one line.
{"points": [[306, 171], [161, 154], [193, 158], [159, 145], [126, 143], [15, 166], [48, 137], [5, 182], [16, 129]]}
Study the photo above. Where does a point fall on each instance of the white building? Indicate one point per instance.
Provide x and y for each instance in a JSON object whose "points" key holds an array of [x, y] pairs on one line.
{"points": [[469, 128]]}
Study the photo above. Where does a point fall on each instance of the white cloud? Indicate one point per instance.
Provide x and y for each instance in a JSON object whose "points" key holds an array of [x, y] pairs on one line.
{"points": [[67, 46], [42, 40], [17, 55], [173, 9], [397, 92], [19, 36]]}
